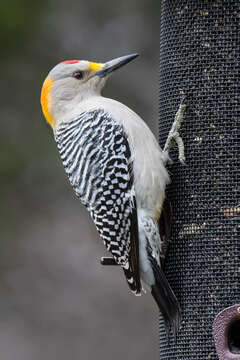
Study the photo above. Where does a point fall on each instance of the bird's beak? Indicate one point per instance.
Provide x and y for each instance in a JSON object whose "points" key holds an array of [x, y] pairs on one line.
{"points": [[114, 64]]}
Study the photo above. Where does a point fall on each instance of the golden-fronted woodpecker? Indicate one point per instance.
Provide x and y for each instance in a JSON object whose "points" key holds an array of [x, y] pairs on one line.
{"points": [[116, 169]]}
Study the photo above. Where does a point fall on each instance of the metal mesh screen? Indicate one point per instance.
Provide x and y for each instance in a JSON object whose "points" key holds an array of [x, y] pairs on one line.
{"points": [[199, 54]]}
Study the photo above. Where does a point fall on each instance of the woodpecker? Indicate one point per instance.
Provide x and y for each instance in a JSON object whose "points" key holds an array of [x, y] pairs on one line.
{"points": [[117, 170]]}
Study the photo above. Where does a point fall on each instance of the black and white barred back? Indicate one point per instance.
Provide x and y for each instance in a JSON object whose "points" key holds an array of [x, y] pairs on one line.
{"points": [[97, 159]]}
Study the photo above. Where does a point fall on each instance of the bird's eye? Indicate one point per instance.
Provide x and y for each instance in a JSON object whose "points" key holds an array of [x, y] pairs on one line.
{"points": [[78, 75]]}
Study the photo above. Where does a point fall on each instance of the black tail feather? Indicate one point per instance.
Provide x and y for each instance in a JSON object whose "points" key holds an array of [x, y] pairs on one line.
{"points": [[165, 299]]}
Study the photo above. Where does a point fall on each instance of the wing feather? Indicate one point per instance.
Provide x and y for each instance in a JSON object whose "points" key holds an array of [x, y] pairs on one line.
{"points": [[97, 158]]}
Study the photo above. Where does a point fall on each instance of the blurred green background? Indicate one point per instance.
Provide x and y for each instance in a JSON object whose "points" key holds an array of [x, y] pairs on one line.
{"points": [[56, 300]]}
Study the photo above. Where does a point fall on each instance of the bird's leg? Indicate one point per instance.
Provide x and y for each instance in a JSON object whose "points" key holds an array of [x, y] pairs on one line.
{"points": [[175, 136]]}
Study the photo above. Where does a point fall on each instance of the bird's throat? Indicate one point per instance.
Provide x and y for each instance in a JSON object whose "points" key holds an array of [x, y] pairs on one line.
{"points": [[46, 100]]}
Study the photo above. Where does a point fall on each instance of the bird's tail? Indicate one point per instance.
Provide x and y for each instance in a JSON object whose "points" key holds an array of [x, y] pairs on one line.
{"points": [[150, 265], [165, 299]]}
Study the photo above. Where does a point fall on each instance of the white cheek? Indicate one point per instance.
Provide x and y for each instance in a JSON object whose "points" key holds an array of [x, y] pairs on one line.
{"points": [[65, 90]]}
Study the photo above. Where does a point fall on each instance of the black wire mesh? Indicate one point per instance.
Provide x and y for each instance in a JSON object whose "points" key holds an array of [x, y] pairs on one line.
{"points": [[199, 54]]}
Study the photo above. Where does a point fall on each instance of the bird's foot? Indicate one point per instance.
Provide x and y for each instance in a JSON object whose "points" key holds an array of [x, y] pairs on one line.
{"points": [[174, 135]]}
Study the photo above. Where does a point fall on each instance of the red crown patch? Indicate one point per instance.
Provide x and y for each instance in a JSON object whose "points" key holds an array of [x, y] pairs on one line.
{"points": [[69, 62]]}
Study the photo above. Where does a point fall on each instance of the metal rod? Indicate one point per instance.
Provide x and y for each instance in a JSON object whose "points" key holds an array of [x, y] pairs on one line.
{"points": [[108, 261]]}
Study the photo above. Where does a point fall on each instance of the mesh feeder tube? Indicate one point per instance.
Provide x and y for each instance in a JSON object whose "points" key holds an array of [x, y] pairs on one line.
{"points": [[200, 56]]}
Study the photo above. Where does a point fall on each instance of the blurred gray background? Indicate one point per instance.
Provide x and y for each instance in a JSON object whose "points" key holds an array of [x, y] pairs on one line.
{"points": [[56, 300]]}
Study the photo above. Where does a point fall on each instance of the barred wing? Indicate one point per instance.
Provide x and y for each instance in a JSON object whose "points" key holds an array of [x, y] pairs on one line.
{"points": [[96, 156]]}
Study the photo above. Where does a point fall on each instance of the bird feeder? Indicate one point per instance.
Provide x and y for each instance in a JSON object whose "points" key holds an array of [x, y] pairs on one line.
{"points": [[199, 57]]}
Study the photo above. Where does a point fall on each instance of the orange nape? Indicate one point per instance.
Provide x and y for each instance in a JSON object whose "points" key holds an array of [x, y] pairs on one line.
{"points": [[46, 100]]}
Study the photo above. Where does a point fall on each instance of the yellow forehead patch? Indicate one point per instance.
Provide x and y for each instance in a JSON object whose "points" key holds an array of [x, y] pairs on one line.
{"points": [[95, 66], [46, 100]]}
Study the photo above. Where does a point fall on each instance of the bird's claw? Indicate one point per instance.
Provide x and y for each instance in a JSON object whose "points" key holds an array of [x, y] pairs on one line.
{"points": [[182, 101], [174, 134]]}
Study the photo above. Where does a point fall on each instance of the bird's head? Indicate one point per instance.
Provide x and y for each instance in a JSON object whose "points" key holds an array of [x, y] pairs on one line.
{"points": [[70, 82]]}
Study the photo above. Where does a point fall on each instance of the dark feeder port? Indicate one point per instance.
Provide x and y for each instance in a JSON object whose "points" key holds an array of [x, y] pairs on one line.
{"points": [[226, 333], [234, 337]]}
